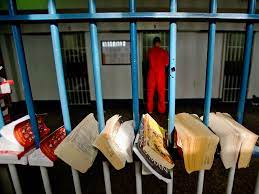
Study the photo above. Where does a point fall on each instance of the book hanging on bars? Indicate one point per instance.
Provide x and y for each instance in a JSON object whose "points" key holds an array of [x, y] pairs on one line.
{"points": [[197, 143], [150, 146], [18, 140], [237, 143], [76, 149], [116, 142], [45, 156]]}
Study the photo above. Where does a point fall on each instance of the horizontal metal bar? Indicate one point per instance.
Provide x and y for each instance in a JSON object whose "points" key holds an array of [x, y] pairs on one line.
{"points": [[117, 16]]}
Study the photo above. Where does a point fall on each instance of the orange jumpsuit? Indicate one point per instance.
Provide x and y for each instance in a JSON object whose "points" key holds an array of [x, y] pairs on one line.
{"points": [[158, 61]]}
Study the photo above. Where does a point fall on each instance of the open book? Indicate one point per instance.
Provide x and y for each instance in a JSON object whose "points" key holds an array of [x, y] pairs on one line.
{"points": [[197, 142], [76, 149], [44, 156], [17, 137], [150, 146], [235, 140], [116, 141]]}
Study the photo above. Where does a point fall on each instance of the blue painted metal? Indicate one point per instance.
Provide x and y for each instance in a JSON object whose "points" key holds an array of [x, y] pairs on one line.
{"points": [[246, 65], [122, 16], [59, 68], [1, 119], [134, 66], [96, 68], [172, 72], [17, 37], [210, 63]]}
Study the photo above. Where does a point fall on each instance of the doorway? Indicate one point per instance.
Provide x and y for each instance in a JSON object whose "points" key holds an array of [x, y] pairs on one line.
{"points": [[233, 56], [147, 44], [75, 67]]}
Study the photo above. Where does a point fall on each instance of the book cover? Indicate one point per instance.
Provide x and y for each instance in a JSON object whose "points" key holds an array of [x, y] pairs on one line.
{"points": [[152, 165]]}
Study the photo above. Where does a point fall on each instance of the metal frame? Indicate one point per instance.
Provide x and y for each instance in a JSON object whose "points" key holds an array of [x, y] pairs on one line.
{"points": [[124, 16], [132, 16]]}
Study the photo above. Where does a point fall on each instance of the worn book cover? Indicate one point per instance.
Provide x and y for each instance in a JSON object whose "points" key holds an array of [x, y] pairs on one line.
{"points": [[151, 163], [45, 156], [76, 149], [155, 142]]}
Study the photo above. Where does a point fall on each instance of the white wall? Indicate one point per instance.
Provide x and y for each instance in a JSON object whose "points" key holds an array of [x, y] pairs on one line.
{"points": [[116, 79], [253, 88], [40, 64], [191, 64]]}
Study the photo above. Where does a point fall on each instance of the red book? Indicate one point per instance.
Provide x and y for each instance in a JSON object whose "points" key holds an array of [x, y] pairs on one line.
{"points": [[17, 137], [45, 155]]}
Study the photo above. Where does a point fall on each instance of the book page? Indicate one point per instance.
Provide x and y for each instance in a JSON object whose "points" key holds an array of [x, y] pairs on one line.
{"points": [[125, 138]]}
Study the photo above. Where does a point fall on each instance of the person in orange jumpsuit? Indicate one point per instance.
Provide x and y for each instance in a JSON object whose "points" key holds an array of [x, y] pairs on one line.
{"points": [[156, 79]]}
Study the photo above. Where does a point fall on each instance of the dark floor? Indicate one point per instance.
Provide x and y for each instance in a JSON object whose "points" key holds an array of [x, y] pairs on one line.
{"points": [[123, 181]]}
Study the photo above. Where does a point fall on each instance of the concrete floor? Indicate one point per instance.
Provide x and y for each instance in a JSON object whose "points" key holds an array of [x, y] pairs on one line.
{"points": [[123, 181]]}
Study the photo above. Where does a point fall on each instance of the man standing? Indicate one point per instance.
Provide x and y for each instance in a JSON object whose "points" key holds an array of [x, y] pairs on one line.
{"points": [[158, 61]]}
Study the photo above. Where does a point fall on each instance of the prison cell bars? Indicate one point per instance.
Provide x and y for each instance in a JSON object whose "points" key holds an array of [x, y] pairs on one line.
{"points": [[134, 87], [209, 80], [172, 80], [98, 87], [61, 84], [16, 31], [95, 55], [244, 82], [12, 167]]}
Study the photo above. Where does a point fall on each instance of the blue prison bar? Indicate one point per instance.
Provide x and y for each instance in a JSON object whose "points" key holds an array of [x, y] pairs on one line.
{"points": [[61, 87], [172, 72], [134, 66], [16, 30], [53, 18]]}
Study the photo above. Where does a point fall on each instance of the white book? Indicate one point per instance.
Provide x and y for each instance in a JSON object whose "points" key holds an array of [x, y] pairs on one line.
{"points": [[116, 141], [197, 142], [230, 140], [248, 140]]}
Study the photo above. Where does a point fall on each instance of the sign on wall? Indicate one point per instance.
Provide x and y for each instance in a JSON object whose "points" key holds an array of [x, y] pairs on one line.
{"points": [[115, 52]]}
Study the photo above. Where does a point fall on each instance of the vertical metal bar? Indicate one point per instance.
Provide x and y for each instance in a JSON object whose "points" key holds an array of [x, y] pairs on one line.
{"points": [[61, 81], [12, 167], [134, 66], [245, 75], [170, 185], [98, 87], [76, 181], [134, 86], [246, 65], [1, 118], [96, 68], [138, 177], [172, 81], [59, 68], [172, 72], [107, 179], [45, 179], [210, 63], [257, 185], [15, 178], [231, 176], [16, 31], [209, 80]]}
